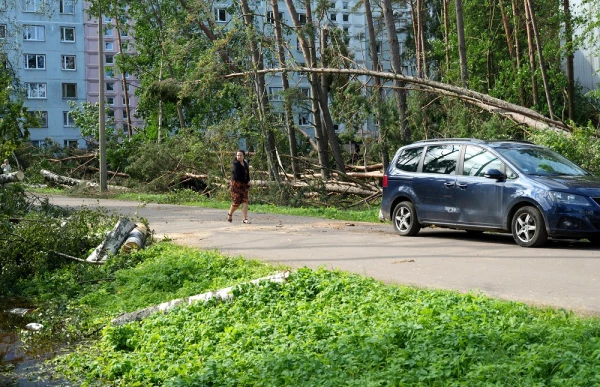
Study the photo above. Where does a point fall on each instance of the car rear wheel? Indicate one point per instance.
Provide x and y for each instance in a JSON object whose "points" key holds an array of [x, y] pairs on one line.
{"points": [[528, 227], [405, 219]]}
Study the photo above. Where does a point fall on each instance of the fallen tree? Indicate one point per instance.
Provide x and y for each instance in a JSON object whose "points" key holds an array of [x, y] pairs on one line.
{"points": [[12, 177], [54, 178], [113, 241], [223, 294]]}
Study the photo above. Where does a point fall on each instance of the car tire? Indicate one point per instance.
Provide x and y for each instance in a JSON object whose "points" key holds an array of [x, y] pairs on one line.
{"points": [[528, 227], [405, 219]]}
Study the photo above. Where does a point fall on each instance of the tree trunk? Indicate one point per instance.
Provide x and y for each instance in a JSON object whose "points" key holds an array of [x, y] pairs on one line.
{"points": [[261, 92], [124, 83], [222, 294], [506, 25], [307, 44], [289, 115], [446, 34], [399, 86], [379, 94], [12, 177], [62, 180], [531, 50], [517, 23], [570, 59], [462, 48], [136, 239], [112, 242], [538, 43]]}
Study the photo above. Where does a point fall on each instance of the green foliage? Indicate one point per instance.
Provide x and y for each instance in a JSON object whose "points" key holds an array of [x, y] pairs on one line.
{"points": [[14, 118], [582, 146], [330, 328]]}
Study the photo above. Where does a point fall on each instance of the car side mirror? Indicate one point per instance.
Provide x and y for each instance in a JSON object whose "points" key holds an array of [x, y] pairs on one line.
{"points": [[493, 173]]}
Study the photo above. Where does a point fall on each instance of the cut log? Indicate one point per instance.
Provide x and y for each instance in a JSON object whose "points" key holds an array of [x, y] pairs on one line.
{"points": [[64, 180], [368, 168], [136, 239], [223, 294], [113, 241], [12, 177]]}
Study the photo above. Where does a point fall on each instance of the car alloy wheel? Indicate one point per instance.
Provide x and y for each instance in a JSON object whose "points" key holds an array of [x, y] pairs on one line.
{"points": [[405, 219], [528, 227]]}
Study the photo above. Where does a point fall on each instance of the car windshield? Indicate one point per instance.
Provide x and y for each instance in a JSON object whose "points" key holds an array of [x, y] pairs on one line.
{"points": [[541, 162]]}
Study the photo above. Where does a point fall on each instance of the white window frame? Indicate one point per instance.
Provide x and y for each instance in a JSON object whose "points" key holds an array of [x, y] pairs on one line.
{"points": [[110, 101], [3, 30], [67, 7], [303, 119], [271, 17], [34, 33], [36, 90], [346, 18], [123, 101], [110, 86], [305, 91], [70, 144], [69, 87], [68, 121], [65, 64], [301, 18], [28, 57], [33, 5], [63, 34], [108, 46], [220, 15], [276, 93], [108, 32], [111, 61], [107, 19], [109, 72]]}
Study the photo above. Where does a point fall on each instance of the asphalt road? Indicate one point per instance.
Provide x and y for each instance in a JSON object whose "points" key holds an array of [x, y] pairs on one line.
{"points": [[563, 274]]}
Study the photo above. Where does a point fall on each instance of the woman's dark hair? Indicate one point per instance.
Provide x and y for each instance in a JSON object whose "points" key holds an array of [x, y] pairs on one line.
{"points": [[244, 153]]}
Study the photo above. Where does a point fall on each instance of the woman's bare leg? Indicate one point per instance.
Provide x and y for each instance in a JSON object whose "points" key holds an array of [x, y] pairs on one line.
{"points": [[245, 210]]}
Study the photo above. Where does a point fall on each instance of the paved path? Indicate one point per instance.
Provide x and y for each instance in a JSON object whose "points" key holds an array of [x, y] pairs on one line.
{"points": [[565, 274]]}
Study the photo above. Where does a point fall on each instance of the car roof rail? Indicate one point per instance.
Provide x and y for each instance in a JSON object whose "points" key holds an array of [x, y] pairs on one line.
{"points": [[476, 140], [516, 141]]}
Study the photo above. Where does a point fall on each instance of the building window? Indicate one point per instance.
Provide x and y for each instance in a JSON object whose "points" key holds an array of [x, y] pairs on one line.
{"points": [[111, 113], [38, 143], [107, 19], [332, 5], [378, 46], [109, 73], [69, 90], [302, 18], [332, 16], [108, 32], [124, 46], [68, 62], [303, 120], [124, 33], [124, 101], [34, 33], [67, 34], [110, 86], [298, 46], [220, 15], [276, 93], [126, 75], [68, 120], [2, 5], [305, 91], [345, 17], [110, 101], [36, 90], [271, 17], [108, 46], [41, 118], [67, 7], [33, 5], [2, 31], [35, 61], [109, 59], [71, 144]]}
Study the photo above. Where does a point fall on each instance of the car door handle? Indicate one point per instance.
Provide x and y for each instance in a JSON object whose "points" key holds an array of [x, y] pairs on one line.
{"points": [[449, 185], [461, 185]]}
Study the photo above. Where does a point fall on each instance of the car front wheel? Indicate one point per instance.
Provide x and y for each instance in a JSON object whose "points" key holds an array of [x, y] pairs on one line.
{"points": [[528, 227], [405, 219]]}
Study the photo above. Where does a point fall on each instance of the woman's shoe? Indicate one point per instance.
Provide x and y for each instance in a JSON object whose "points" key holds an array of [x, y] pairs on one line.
{"points": [[246, 221], [229, 217]]}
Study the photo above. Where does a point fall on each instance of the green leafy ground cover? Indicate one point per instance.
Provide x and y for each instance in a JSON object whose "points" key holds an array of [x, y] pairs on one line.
{"points": [[322, 328]]}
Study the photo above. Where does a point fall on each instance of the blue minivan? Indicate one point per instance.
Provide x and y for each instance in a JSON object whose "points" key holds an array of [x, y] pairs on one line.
{"points": [[503, 186]]}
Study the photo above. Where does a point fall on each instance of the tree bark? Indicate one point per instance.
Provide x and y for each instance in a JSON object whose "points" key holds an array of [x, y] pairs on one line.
{"points": [[112, 242], [462, 48], [570, 58], [260, 89], [222, 294], [12, 177], [530, 51], [392, 35], [287, 103], [538, 42], [446, 34]]}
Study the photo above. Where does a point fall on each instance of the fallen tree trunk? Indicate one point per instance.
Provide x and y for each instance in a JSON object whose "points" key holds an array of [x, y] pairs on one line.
{"points": [[69, 181], [136, 238], [223, 294], [12, 177], [113, 241], [368, 168]]}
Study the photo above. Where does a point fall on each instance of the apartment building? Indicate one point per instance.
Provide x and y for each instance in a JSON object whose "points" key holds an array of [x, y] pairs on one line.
{"points": [[52, 47], [43, 42]]}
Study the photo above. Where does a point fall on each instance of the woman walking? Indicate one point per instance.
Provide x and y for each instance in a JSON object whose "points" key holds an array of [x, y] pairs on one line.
{"points": [[240, 186]]}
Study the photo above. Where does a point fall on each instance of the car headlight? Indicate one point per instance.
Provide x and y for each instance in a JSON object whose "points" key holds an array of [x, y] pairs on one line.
{"points": [[568, 198]]}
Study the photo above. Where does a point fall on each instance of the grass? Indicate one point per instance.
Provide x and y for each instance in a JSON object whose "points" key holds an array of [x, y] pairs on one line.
{"points": [[321, 328], [189, 198]]}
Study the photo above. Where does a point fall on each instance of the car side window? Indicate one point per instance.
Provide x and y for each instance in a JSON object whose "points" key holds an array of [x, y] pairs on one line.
{"points": [[478, 161], [409, 159], [441, 159]]}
